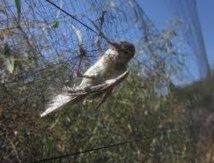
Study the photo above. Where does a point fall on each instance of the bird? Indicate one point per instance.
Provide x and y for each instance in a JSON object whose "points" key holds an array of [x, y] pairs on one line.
{"points": [[110, 65]]}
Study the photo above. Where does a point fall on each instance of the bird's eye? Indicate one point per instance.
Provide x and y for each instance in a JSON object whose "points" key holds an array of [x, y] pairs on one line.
{"points": [[126, 52]]}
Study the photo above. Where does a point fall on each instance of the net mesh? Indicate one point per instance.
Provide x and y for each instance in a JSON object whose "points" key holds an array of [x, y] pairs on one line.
{"points": [[147, 119]]}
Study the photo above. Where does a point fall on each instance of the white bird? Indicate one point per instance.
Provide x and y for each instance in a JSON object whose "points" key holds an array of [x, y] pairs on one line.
{"points": [[112, 64]]}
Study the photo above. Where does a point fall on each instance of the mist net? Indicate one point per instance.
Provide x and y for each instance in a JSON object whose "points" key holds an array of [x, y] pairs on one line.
{"points": [[153, 116]]}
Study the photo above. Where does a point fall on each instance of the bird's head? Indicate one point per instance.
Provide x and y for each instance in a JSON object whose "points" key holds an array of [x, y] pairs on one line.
{"points": [[126, 50]]}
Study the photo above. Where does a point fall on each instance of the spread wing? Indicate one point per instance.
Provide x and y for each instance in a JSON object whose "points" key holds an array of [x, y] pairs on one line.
{"points": [[65, 99]]}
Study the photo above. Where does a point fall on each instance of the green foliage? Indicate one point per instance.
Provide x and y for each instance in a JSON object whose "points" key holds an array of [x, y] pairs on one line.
{"points": [[154, 126], [6, 58], [149, 127]]}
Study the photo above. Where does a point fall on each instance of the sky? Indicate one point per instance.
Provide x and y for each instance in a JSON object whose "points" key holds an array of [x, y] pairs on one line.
{"points": [[160, 11], [206, 12]]}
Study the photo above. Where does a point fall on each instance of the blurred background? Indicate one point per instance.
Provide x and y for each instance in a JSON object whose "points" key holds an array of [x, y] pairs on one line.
{"points": [[162, 112]]}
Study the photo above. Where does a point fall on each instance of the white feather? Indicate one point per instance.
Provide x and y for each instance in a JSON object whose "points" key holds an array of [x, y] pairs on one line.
{"points": [[57, 103]]}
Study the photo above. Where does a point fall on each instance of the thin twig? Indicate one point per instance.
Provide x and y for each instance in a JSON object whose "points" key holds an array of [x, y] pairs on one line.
{"points": [[14, 149]]}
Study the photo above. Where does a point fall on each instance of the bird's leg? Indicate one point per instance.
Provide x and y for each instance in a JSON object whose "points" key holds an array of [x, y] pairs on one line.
{"points": [[82, 53], [79, 74], [99, 28], [104, 97], [98, 41], [101, 19]]}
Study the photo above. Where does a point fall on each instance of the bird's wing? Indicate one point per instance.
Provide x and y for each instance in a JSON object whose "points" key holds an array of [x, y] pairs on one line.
{"points": [[61, 101]]}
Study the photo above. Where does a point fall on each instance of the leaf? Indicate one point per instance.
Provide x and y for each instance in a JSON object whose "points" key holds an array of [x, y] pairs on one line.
{"points": [[18, 8], [5, 33], [1, 111], [78, 34], [1, 59], [54, 24], [9, 62], [7, 50]]}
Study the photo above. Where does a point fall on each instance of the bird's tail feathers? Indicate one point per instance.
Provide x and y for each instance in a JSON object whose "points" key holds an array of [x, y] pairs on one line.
{"points": [[62, 101]]}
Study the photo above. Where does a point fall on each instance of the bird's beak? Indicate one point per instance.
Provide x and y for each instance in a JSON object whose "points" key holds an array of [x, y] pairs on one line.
{"points": [[114, 45]]}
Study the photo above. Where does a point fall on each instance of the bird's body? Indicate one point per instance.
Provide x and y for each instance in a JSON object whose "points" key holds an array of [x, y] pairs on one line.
{"points": [[104, 69], [112, 64]]}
